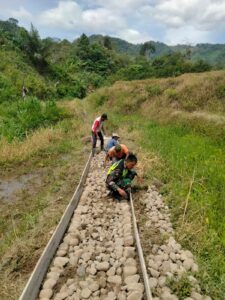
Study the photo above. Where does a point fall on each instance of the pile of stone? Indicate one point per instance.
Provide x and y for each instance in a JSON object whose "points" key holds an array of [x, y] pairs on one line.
{"points": [[97, 258], [167, 260]]}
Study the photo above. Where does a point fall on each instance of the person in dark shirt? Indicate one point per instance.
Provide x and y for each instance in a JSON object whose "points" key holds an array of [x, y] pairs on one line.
{"points": [[120, 176]]}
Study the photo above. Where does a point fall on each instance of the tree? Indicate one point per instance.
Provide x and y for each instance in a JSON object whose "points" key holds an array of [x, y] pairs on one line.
{"points": [[107, 42], [83, 47], [13, 21], [35, 41], [147, 48]]}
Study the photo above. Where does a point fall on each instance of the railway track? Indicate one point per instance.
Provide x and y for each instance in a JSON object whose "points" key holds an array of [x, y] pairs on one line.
{"points": [[95, 252]]}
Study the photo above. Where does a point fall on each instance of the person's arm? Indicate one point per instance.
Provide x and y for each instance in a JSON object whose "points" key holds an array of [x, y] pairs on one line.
{"points": [[126, 151], [111, 182], [106, 159]]}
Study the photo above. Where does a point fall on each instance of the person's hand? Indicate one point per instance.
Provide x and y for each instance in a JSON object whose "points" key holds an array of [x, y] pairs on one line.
{"points": [[122, 193]]}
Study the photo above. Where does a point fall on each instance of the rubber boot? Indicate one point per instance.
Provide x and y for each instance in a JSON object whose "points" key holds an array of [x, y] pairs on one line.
{"points": [[93, 151]]}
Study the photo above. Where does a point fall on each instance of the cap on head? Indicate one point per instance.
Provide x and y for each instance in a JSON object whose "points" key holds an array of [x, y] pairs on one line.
{"points": [[104, 116], [115, 135], [118, 148]]}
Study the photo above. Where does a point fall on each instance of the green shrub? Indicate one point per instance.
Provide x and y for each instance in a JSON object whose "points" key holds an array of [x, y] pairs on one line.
{"points": [[220, 91], [101, 100], [22, 117], [153, 90], [171, 94]]}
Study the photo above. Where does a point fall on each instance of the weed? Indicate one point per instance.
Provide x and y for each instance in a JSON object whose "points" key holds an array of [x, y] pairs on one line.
{"points": [[180, 287]]}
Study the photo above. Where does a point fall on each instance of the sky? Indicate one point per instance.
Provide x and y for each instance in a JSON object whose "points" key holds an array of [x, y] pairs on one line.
{"points": [[136, 21]]}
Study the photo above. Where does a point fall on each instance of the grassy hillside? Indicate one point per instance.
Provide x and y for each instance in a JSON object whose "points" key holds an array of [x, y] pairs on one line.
{"points": [[17, 71], [178, 126]]}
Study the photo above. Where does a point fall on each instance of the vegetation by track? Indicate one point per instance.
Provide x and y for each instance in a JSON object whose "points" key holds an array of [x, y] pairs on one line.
{"points": [[183, 153]]}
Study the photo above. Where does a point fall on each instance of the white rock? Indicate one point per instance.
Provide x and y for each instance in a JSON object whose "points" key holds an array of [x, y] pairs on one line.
{"points": [[60, 261], [162, 281], [166, 267], [121, 296], [46, 293], [135, 295], [130, 262], [153, 282], [154, 273], [102, 266], [196, 296], [94, 286], [134, 286], [132, 279], [102, 282], [49, 283], [128, 240], [111, 271], [128, 271], [194, 268], [115, 279], [129, 252], [85, 293], [188, 264], [53, 275]]}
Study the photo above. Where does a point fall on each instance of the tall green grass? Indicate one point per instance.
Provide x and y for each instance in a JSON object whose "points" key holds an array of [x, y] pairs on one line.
{"points": [[19, 118], [188, 155]]}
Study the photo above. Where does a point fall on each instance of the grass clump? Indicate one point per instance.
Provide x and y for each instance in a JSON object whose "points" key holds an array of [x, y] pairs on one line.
{"points": [[153, 90], [181, 287]]}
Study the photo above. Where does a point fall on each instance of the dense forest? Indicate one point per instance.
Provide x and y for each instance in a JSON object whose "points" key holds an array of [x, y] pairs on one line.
{"points": [[54, 69]]}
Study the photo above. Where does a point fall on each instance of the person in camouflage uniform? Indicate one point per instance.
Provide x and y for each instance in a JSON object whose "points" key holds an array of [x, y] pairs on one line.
{"points": [[120, 176]]}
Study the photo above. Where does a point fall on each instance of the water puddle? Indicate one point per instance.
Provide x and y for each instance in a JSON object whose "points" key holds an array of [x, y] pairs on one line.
{"points": [[9, 189]]}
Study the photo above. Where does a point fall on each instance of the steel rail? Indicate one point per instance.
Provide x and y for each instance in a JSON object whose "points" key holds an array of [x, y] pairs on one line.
{"points": [[140, 252], [33, 285]]}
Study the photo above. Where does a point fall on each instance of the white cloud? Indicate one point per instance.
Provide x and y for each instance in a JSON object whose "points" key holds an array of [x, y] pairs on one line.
{"points": [[204, 15], [22, 13], [122, 6], [173, 21], [185, 35], [134, 36], [102, 19], [69, 15], [66, 15]]}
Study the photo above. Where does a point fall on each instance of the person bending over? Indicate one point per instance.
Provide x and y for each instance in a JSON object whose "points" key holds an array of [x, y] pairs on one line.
{"points": [[116, 153], [120, 176], [112, 142]]}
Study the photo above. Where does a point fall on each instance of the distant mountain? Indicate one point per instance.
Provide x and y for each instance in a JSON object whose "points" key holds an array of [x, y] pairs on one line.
{"points": [[211, 53]]}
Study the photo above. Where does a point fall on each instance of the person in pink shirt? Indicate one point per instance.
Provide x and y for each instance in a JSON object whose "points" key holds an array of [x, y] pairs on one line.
{"points": [[97, 129]]}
